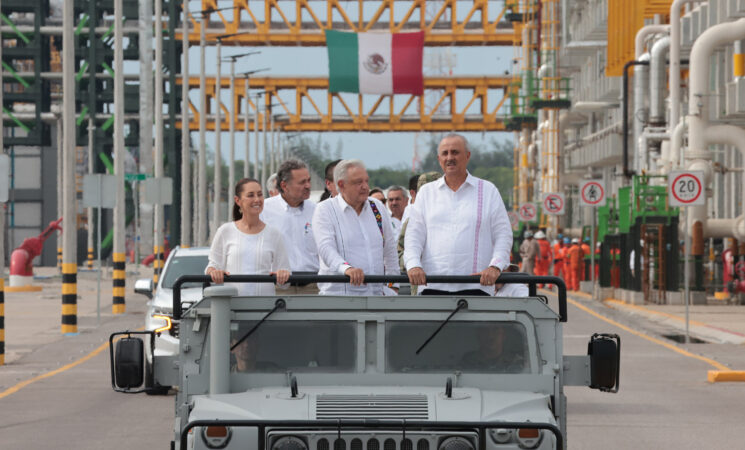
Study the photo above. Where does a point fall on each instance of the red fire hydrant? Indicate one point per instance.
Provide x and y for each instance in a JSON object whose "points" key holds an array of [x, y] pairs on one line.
{"points": [[21, 260]]}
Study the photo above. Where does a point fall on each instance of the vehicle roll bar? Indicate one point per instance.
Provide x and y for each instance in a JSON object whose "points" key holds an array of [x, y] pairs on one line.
{"points": [[506, 278]]}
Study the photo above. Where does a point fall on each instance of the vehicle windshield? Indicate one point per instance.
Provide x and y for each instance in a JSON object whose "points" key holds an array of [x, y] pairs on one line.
{"points": [[184, 265], [300, 346], [481, 347]]}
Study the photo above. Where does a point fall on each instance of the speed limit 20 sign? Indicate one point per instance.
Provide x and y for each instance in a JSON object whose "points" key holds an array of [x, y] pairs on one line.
{"points": [[686, 188]]}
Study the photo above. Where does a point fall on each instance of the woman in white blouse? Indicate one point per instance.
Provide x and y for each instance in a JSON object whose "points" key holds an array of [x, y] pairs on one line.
{"points": [[248, 246]]}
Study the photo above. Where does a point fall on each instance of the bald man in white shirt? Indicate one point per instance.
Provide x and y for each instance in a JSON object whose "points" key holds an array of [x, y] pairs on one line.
{"points": [[353, 234], [458, 226]]}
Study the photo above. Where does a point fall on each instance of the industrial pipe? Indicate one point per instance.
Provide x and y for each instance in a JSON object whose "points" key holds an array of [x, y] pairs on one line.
{"points": [[641, 111], [625, 115], [675, 8], [701, 134], [642, 35], [658, 79]]}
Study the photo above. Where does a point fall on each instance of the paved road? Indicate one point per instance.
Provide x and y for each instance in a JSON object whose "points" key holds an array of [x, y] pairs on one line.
{"points": [[665, 401]]}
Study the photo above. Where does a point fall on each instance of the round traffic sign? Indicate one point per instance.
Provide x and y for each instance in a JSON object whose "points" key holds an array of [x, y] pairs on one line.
{"points": [[553, 204], [686, 188], [527, 212], [592, 193]]}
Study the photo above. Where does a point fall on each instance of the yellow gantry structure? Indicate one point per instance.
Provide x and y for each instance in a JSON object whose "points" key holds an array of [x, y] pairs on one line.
{"points": [[325, 111], [302, 22]]}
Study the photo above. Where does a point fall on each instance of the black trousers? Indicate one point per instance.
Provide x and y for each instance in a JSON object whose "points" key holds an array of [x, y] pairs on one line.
{"points": [[468, 292]]}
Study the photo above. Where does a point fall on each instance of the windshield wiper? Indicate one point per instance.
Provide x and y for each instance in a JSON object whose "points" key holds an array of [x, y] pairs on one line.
{"points": [[279, 304], [462, 303]]}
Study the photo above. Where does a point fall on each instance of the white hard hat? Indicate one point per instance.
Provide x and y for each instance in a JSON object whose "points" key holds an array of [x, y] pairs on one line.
{"points": [[540, 235], [575, 241], [528, 234]]}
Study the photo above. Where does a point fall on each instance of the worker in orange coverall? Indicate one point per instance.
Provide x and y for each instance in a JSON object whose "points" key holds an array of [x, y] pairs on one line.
{"points": [[575, 263], [559, 249], [544, 260], [585, 264]]}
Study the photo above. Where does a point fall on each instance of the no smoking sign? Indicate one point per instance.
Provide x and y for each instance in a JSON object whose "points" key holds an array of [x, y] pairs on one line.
{"points": [[592, 193], [553, 204], [527, 212], [686, 188]]}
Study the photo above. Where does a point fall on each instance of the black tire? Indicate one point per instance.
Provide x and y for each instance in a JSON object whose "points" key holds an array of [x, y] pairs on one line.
{"points": [[156, 389]]}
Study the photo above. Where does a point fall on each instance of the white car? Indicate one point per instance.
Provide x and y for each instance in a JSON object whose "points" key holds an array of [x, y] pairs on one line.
{"points": [[181, 261]]}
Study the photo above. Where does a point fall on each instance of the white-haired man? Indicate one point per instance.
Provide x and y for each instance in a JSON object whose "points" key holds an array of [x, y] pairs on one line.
{"points": [[353, 234], [458, 226], [271, 186], [398, 199]]}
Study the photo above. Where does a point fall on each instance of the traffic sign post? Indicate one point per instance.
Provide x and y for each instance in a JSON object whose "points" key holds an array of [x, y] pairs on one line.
{"points": [[592, 194], [527, 212], [553, 204], [686, 188], [99, 191]]}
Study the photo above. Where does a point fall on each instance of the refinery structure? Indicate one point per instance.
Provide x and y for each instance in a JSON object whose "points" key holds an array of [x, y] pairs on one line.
{"points": [[622, 93]]}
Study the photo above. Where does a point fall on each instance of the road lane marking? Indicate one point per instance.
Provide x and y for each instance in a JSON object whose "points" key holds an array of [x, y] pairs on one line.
{"points": [[615, 303], [23, 384], [667, 345]]}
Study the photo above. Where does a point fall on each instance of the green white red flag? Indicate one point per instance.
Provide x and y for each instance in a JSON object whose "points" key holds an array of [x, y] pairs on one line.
{"points": [[375, 63]]}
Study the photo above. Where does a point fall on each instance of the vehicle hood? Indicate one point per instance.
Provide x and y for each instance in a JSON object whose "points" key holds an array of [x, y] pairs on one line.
{"points": [[411, 403], [163, 297]]}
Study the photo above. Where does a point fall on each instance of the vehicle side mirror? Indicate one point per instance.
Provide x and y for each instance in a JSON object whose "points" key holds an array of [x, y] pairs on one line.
{"points": [[128, 364], [144, 286], [605, 361]]}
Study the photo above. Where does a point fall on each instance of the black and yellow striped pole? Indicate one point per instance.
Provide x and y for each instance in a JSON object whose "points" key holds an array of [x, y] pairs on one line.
{"points": [[69, 298], [69, 195], [119, 255], [89, 262], [157, 263], [117, 306], [59, 258]]}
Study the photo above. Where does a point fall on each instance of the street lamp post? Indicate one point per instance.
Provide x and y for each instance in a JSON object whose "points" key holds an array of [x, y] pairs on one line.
{"points": [[233, 112]]}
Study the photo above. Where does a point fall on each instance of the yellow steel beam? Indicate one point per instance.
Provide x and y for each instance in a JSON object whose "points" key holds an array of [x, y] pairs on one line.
{"points": [[298, 110], [302, 23]]}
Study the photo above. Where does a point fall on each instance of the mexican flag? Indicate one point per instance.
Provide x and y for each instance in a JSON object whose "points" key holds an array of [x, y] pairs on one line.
{"points": [[375, 63]]}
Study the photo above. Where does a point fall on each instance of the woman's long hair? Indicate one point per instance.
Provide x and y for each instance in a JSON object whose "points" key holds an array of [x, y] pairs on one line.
{"points": [[237, 214]]}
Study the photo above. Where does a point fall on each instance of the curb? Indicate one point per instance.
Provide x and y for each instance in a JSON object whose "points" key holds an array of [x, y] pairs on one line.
{"points": [[717, 376], [27, 288]]}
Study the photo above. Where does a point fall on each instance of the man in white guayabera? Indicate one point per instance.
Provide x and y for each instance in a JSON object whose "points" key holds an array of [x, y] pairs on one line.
{"points": [[291, 213], [458, 226], [354, 235]]}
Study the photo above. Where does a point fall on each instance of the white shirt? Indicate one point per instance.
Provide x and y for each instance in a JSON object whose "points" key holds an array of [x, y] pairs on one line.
{"points": [[346, 239], [396, 225], [458, 233], [295, 226], [239, 253], [513, 290]]}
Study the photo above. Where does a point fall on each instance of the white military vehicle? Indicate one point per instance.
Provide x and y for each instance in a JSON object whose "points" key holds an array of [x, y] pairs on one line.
{"points": [[368, 373]]}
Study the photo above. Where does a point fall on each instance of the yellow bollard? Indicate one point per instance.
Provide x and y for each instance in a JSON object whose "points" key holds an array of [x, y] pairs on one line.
{"points": [[117, 306]]}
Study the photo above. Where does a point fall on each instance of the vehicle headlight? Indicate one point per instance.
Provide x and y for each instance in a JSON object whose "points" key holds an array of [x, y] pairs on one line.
{"points": [[529, 437], [500, 435], [165, 320], [216, 436], [456, 443], [289, 443]]}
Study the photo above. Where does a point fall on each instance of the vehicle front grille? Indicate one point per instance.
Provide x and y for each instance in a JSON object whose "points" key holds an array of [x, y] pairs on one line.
{"points": [[409, 407], [373, 443]]}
